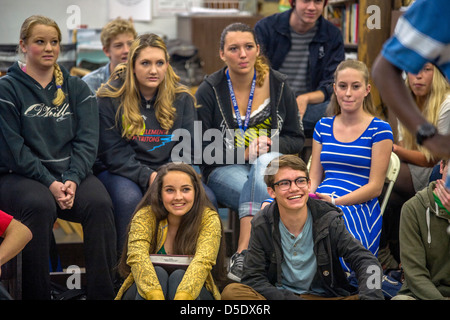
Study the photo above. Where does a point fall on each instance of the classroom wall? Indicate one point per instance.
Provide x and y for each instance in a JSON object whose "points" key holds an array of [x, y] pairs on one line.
{"points": [[93, 13]]}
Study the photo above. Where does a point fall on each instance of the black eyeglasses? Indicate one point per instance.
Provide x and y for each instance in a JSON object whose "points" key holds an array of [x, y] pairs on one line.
{"points": [[285, 184]]}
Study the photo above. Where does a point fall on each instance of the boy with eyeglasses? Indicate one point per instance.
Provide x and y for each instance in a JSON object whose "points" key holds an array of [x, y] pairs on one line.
{"points": [[296, 243]]}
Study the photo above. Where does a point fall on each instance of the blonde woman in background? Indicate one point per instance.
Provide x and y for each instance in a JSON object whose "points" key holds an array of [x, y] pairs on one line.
{"points": [[431, 92], [49, 140]]}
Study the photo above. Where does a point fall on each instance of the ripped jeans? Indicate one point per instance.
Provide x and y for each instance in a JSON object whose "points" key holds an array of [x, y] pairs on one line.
{"points": [[241, 187]]}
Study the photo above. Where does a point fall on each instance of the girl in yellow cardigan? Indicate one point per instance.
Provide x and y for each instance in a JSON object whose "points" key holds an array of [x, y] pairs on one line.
{"points": [[174, 217]]}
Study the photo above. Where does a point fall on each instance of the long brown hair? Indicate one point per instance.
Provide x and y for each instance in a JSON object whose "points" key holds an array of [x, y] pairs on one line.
{"points": [[25, 33], [130, 98], [185, 242]]}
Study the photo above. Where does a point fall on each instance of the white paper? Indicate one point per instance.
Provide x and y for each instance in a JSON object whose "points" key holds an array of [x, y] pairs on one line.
{"points": [[138, 10]]}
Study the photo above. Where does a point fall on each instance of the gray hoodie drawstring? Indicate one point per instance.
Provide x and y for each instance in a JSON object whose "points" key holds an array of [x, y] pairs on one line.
{"points": [[428, 227], [428, 222]]}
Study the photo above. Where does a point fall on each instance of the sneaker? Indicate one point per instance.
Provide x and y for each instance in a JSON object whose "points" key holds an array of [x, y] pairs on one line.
{"points": [[236, 266]]}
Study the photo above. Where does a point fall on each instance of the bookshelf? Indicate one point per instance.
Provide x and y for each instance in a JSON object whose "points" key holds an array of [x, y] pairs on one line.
{"points": [[344, 15]]}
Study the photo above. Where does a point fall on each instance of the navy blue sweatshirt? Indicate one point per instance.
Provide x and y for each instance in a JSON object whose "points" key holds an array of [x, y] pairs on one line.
{"points": [[40, 140], [138, 157]]}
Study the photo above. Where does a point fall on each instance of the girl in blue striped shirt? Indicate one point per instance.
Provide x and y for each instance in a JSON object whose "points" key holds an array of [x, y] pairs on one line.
{"points": [[351, 153]]}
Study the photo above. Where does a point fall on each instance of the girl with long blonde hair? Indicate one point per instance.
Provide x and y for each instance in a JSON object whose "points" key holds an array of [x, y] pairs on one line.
{"points": [[431, 92], [351, 153]]}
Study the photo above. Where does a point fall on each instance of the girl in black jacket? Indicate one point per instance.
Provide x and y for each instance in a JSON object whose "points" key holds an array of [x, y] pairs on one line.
{"points": [[254, 116]]}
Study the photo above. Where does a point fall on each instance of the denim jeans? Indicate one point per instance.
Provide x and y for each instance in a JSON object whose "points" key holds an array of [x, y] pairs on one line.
{"points": [[241, 187], [169, 285], [314, 112], [125, 196]]}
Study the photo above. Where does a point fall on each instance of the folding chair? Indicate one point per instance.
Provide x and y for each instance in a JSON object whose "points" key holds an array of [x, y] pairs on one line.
{"points": [[391, 177]]}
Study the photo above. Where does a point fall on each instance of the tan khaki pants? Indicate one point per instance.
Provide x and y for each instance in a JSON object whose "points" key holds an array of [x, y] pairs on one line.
{"points": [[239, 291]]}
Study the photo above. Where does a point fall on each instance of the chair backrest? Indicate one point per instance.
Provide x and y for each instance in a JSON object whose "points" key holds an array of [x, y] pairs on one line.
{"points": [[391, 177]]}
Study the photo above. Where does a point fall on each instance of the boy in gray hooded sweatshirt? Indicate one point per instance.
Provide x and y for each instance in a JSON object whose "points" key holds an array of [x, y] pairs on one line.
{"points": [[425, 242]]}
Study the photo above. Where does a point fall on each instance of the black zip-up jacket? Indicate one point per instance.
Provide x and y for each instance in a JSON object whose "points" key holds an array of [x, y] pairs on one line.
{"points": [[262, 263], [216, 112]]}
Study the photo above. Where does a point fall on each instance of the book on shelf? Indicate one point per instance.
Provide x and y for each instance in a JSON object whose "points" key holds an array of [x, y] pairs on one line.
{"points": [[171, 262], [344, 15]]}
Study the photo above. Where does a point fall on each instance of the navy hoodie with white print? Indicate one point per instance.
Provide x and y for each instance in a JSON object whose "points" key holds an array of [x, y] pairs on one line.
{"points": [[42, 141]]}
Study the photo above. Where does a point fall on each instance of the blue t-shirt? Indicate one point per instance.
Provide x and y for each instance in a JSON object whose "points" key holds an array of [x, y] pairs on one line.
{"points": [[299, 265]]}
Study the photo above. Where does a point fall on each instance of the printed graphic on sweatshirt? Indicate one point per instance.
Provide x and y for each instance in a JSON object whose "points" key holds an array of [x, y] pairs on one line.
{"points": [[40, 110], [154, 139], [260, 129]]}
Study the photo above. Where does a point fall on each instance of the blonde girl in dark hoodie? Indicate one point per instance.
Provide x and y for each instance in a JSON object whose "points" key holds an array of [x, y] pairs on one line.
{"points": [[49, 139]]}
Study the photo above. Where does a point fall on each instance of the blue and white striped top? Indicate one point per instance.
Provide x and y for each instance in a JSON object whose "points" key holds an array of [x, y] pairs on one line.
{"points": [[347, 168]]}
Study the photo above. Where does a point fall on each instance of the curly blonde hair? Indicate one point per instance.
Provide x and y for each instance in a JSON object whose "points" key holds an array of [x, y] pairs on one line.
{"points": [[130, 98], [25, 33], [115, 27]]}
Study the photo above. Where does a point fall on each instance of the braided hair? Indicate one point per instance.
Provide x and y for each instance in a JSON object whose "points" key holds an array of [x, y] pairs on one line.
{"points": [[60, 96], [25, 33]]}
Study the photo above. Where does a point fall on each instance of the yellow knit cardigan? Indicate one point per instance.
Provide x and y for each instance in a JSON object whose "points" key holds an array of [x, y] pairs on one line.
{"points": [[197, 274]]}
